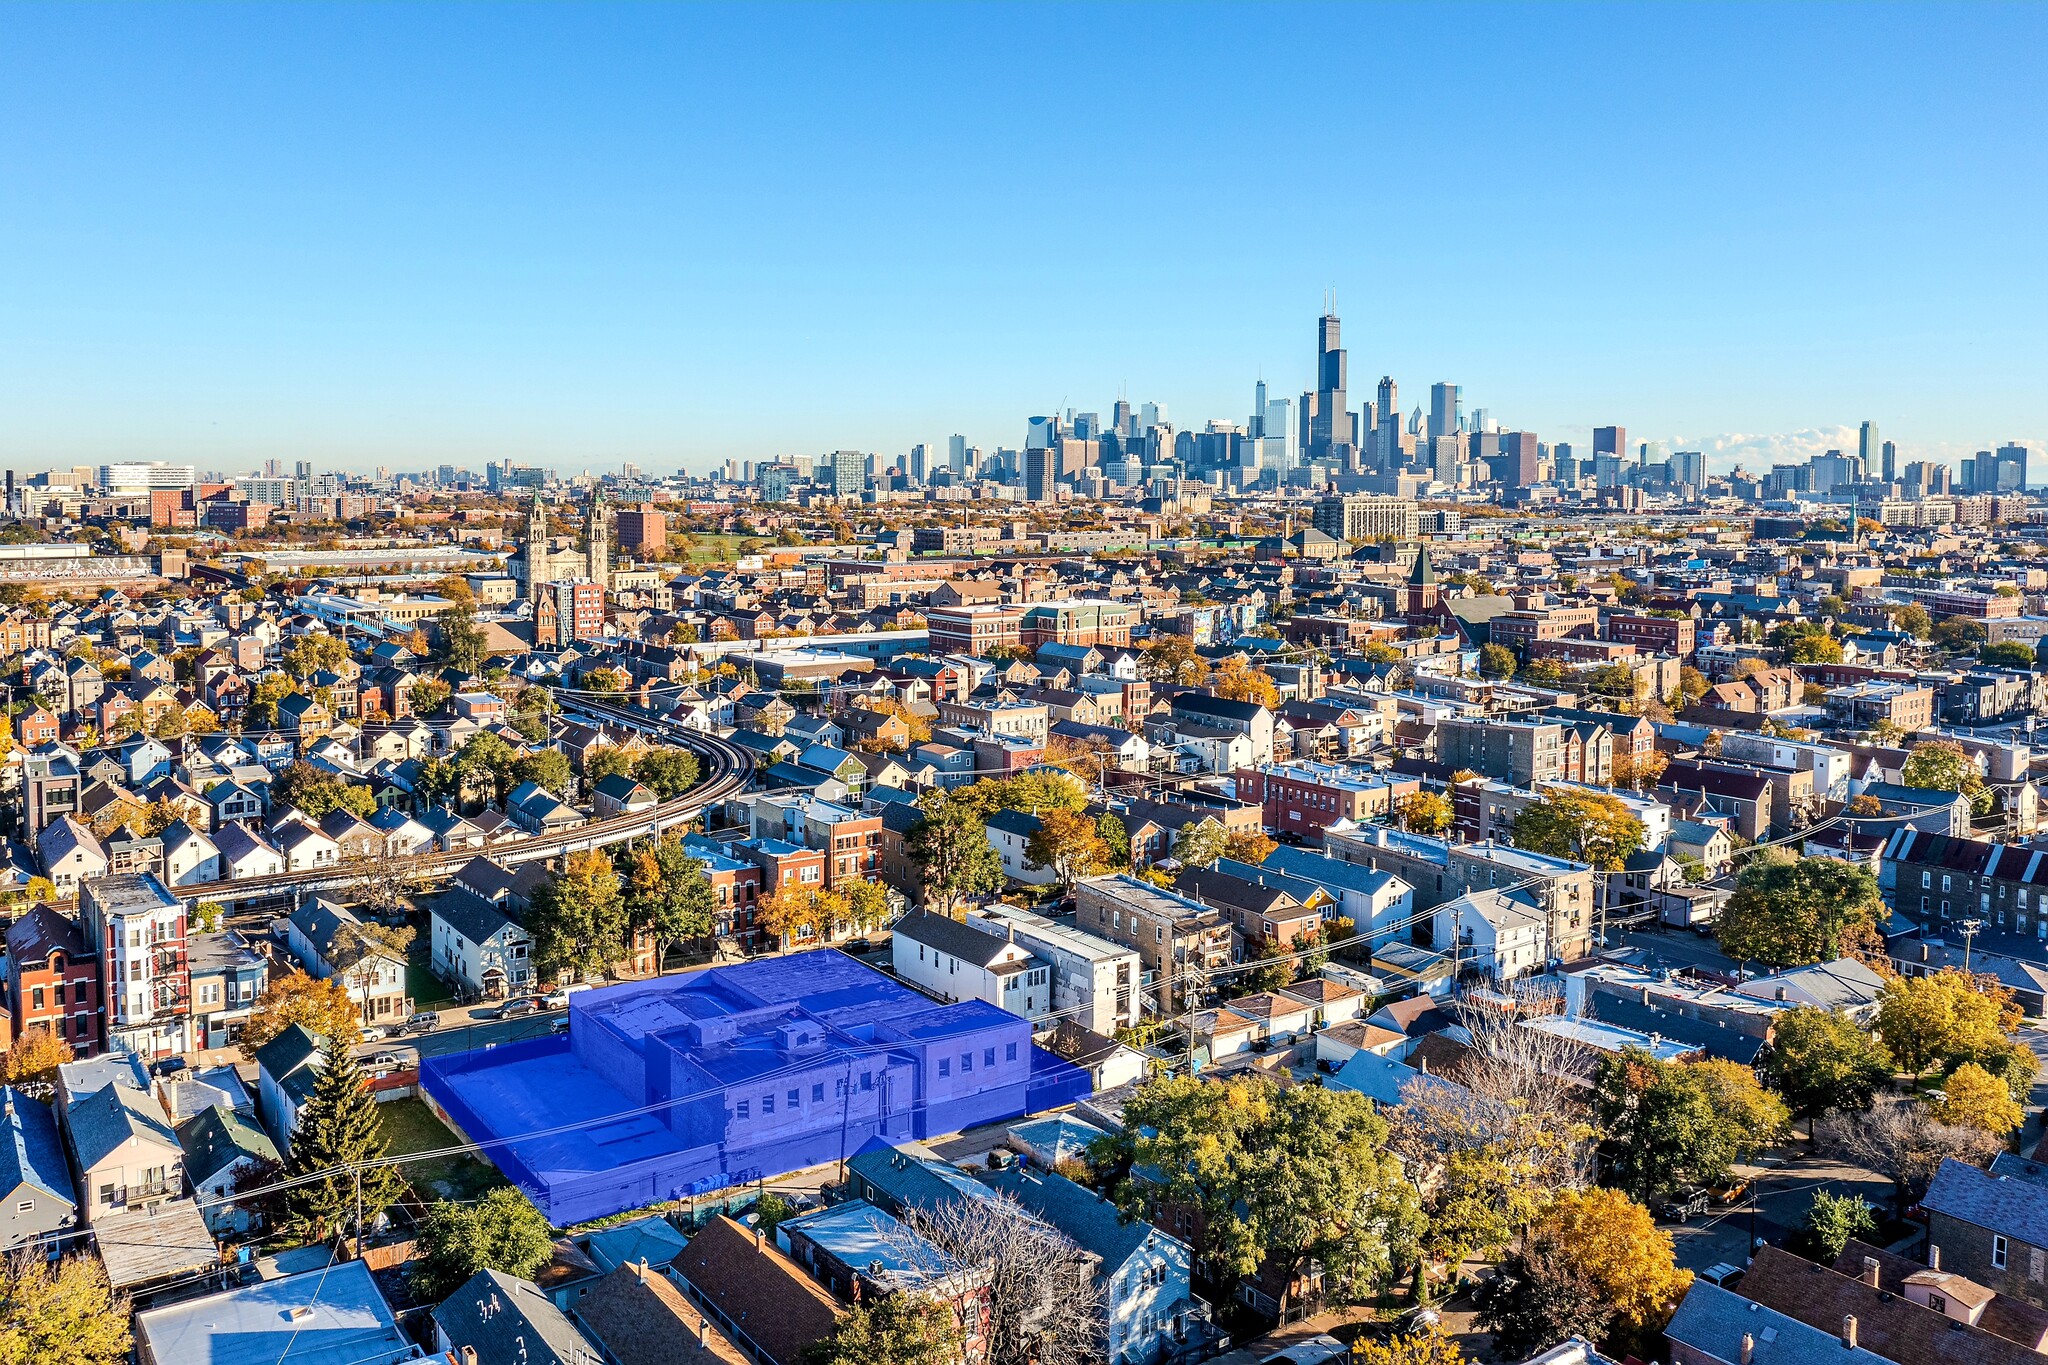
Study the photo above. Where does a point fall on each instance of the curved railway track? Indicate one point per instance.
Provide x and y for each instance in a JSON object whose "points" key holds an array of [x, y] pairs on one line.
{"points": [[726, 768]]}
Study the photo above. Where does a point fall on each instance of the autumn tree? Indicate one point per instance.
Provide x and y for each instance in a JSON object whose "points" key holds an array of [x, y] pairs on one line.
{"points": [[316, 792], [578, 918], [357, 942], [31, 1061], [1496, 661], [502, 1231], [606, 760], [1252, 846], [1586, 826], [1067, 843], [1041, 1302], [1171, 659], [1789, 912], [1423, 812], [1239, 681], [1427, 1347], [1944, 1019], [667, 894], [1614, 1241], [955, 860], [1972, 1097], [1637, 771], [322, 1005], [867, 904], [1945, 766], [795, 913], [61, 1310]]}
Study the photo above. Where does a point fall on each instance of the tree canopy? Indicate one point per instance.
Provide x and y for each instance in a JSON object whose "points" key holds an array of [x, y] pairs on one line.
{"points": [[1819, 1061], [578, 920], [1946, 766], [60, 1311], [502, 1231], [950, 845], [1789, 912], [1670, 1125], [322, 1004]]}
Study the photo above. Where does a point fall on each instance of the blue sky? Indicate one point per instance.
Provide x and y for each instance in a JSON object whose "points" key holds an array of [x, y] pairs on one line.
{"points": [[578, 234]]}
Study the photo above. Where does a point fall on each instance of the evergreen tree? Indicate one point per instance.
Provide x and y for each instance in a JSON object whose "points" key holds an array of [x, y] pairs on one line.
{"points": [[339, 1128]]}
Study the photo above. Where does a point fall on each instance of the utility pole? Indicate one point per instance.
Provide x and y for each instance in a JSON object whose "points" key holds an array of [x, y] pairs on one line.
{"points": [[359, 1213], [1970, 928]]}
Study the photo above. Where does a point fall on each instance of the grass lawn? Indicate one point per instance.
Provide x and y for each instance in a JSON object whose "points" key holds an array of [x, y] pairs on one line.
{"points": [[411, 1127], [714, 548], [427, 990]]}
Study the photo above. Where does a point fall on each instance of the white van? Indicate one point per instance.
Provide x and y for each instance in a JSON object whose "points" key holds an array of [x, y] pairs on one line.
{"points": [[558, 998]]}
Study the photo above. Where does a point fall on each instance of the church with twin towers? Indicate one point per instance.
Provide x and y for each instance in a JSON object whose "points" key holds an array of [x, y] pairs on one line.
{"points": [[566, 585]]}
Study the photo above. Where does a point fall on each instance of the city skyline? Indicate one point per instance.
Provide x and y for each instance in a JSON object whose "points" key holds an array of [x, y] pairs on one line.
{"points": [[576, 238]]}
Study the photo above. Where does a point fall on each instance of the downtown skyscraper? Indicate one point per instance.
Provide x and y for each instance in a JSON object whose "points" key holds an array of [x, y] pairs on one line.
{"points": [[1326, 417]]}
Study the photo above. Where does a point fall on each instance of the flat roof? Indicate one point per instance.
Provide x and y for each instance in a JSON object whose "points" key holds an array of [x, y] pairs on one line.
{"points": [[333, 1316]]}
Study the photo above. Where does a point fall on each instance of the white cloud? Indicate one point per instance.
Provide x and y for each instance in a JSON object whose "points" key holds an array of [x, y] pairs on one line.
{"points": [[1757, 452]]}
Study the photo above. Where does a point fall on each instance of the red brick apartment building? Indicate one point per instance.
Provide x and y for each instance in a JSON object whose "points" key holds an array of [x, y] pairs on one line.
{"points": [[53, 980], [1675, 635]]}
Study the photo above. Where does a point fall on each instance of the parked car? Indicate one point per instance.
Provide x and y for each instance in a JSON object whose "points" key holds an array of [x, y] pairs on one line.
{"points": [[168, 1066], [424, 1022], [1314, 1351], [560, 1025], [514, 1009], [387, 1061]]}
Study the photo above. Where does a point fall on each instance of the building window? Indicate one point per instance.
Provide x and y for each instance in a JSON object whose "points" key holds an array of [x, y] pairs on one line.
{"points": [[744, 1108], [1998, 1251], [1009, 1052], [818, 1093], [946, 1069]]}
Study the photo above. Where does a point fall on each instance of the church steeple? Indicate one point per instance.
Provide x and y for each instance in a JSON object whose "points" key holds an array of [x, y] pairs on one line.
{"points": [[598, 551], [536, 548]]}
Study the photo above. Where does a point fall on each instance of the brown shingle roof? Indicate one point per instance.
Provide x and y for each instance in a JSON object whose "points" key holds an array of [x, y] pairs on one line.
{"points": [[756, 1293], [642, 1319], [1889, 1325], [2005, 1316]]}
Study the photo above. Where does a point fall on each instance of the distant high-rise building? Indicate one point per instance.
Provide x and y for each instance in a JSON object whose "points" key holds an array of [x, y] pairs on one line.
{"points": [[1443, 409], [775, 481], [1830, 471], [1329, 417], [1516, 463], [922, 462], [1610, 441], [643, 530], [848, 472], [1041, 471], [1870, 449], [2012, 468], [1891, 461], [1121, 419], [956, 454], [1689, 467], [1087, 425], [1041, 432], [304, 472], [1150, 415]]}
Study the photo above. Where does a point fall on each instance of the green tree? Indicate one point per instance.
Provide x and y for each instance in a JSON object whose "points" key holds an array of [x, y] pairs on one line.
{"points": [[1290, 1175], [1675, 1124], [668, 772], [1112, 833], [427, 695], [1543, 673], [1790, 912], [1200, 843], [578, 920], [1586, 826], [546, 768], [1832, 1220], [955, 860], [1539, 1299], [1426, 813], [311, 653], [60, 1311], [315, 792], [1914, 620], [484, 765], [900, 1329], [1959, 632], [1945, 766], [604, 761], [1820, 1061], [339, 1133], [532, 711], [463, 642], [1496, 661], [502, 1231], [2007, 654]]}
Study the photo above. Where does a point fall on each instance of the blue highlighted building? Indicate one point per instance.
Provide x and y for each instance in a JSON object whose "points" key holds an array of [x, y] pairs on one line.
{"points": [[687, 1084]]}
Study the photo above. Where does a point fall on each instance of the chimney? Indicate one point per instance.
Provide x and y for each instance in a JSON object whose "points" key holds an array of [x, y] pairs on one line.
{"points": [[1646, 997], [760, 1238], [1924, 950], [1748, 1349], [640, 1269], [1779, 993], [468, 1355], [1849, 1331], [1933, 1256], [1870, 1271]]}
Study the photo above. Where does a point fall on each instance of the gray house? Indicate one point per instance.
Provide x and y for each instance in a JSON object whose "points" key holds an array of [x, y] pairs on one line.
{"points": [[36, 1196], [479, 947], [286, 1068], [1991, 1226]]}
